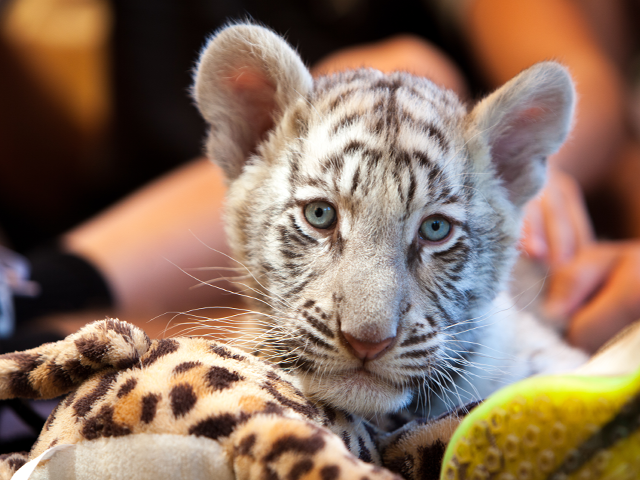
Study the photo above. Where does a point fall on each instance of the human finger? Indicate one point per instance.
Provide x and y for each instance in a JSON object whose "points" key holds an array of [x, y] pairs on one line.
{"points": [[533, 240], [614, 306], [577, 210], [557, 226], [566, 220], [573, 283]]}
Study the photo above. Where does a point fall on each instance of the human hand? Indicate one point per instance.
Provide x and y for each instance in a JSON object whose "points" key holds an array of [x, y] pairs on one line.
{"points": [[556, 223], [597, 293]]}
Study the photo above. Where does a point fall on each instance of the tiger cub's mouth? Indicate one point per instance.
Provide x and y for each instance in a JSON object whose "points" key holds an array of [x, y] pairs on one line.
{"points": [[366, 388], [357, 390], [363, 371]]}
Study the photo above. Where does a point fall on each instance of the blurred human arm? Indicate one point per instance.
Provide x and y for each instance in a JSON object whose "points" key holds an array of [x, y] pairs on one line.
{"points": [[408, 53], [145, 245], [505, 37]]}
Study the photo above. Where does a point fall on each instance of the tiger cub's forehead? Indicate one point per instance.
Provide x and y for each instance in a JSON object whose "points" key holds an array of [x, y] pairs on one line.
{"points": [[367, 134]]}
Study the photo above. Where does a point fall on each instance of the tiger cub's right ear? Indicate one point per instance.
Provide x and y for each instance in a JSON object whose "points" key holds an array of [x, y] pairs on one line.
{"points": [[246, 77]]}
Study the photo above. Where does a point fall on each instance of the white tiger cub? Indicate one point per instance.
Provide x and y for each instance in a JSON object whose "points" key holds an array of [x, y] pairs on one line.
{"points": [[379, 219]]}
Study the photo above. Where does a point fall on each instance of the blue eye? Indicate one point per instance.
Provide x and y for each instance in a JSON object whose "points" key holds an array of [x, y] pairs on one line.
{"points": [[320, 214], [435, 228]]}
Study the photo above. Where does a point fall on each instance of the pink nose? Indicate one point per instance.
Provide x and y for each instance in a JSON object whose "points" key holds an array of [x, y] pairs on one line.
{"points": [[367, 350]]}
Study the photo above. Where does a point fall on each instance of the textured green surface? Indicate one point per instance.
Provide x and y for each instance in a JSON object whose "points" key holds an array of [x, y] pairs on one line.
{"points": [[554, 427]]}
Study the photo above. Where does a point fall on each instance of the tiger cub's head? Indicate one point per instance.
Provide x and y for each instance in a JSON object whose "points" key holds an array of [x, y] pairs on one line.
{"points": [[378, 216]]}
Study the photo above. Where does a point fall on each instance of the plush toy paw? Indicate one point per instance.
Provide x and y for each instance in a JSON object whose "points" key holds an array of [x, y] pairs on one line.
{"points": [[176, 408], [54, 369]]}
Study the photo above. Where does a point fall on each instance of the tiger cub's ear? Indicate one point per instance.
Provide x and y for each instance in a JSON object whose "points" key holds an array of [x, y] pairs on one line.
{"points": [[522, 123], [246, 77]]}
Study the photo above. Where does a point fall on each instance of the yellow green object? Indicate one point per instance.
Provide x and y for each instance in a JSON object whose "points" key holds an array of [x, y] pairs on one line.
{"points": [[560, 427]]}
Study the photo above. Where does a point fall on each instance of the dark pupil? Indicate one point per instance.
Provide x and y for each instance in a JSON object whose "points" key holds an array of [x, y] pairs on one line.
{"points": [[319, 212], [435, 225]]}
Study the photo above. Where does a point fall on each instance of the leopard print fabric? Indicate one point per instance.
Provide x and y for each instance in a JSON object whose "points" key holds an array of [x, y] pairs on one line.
{"points": [[122, 384]]}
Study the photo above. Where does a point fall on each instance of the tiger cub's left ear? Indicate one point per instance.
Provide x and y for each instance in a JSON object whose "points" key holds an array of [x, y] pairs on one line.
{"points": [[522, 123], [246, 77]]}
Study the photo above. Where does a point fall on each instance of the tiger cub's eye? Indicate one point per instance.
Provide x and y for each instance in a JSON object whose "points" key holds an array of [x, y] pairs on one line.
{"points": [[435, 228], [320, 214]]}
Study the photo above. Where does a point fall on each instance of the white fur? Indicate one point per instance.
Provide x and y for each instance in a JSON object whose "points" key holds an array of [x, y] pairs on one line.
{"points": [[494, 157]]}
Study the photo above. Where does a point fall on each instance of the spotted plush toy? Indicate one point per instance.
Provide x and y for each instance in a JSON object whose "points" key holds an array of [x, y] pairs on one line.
{"points": [[193, 408]]}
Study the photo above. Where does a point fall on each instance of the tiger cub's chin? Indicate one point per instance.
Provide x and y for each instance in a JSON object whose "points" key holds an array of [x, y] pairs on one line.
{"points": [[357, 392]]}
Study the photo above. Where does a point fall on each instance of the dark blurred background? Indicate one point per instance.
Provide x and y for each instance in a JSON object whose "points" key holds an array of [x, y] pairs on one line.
{"points": [[94, 93]]}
